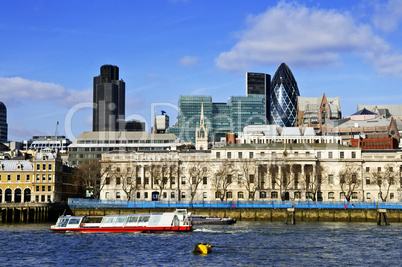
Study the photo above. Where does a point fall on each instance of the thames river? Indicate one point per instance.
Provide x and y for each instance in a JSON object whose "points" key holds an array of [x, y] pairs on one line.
{"points": [[242, 244]]}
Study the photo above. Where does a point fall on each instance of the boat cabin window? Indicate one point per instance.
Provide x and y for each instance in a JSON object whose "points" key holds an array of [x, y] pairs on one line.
{"points": [[132, 220], [155, 219], [143, 219], [74, 221], [120, 221], [62, 222], [108, 221]]}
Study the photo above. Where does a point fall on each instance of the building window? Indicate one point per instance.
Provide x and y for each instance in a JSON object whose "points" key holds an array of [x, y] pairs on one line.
{"points": [[146, 195], [107, 180], [353, 155], [318, 154], [117, 180], [37, 188], [18, 177], [118, 169], [50, 167], [379, 169], [43, 188], [107, 195], [42, 197], [330, 155], [354, 195], [331, 195], [43, 177], [36, 198], [391, 196], [183, 180], [240, 178], [367, 180], [138, 194], [367, 169], [342, 155], [240, 195], [228, 194], [8, 177], [217, 194], [164, 194], [368, 196], [37, 177], [146, 180], [204, 195], [28, 178], [342, 196], [229, 155], [297, 195], [263, 194], [49, 188], [251, 155], [49, 177], [229, 179], [48, 198], [309, 195], [183, 195], [38, 167], [204, 180], [117, 195], [43, 167], [218, 155], [354, 178], [251, 178], [274, 195]]}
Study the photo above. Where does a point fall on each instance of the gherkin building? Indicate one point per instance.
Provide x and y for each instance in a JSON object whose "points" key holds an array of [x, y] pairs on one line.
{"points": [[284, 93]]}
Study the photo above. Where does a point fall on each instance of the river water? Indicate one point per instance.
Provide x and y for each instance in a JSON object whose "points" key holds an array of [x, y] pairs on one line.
{"points": [[242, 244]]}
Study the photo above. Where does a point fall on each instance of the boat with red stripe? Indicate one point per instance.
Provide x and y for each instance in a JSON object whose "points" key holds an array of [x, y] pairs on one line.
{"points": [[177, 221]]}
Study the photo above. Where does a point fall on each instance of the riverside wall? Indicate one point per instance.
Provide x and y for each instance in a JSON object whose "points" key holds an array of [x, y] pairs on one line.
{"points": [[261, 214]]}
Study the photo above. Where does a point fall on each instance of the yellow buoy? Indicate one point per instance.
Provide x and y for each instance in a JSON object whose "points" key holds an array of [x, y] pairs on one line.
{"points": [[202, 248]]}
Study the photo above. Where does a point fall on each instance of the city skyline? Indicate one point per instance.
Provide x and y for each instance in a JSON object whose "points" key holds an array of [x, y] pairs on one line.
{"points": [[52, 51]]}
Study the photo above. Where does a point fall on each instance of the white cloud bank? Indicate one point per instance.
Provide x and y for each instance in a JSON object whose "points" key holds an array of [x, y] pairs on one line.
{"points": [[298, 35], [388, 15], [16, 88]]}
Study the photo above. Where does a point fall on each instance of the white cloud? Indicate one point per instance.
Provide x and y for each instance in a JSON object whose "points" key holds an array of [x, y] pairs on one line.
{"points": [[17, 88], [188, 61], [298, 35], [387, 15]]}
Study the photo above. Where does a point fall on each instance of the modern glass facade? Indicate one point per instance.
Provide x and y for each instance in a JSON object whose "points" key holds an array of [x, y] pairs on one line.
{"points": [[260, 84], [221, 118], [3, 123], [284, 93]]}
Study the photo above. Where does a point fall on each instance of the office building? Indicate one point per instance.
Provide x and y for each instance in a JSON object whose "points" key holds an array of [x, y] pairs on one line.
{"points": [[3, 123], [314, 111], [109, 100], [259, 84], [284, 93], [219, 118]]}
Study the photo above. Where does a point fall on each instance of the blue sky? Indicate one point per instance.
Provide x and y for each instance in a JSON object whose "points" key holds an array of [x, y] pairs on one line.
{"points": [[51, 50]]}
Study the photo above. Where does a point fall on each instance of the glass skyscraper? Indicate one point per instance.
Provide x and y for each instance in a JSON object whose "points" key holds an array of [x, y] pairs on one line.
{"points": [[220, 118], [284, 93], [3, 123]]}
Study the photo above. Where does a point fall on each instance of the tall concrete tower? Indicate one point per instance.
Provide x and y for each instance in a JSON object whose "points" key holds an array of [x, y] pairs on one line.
{"points": [[3, 123], [109, 97]]}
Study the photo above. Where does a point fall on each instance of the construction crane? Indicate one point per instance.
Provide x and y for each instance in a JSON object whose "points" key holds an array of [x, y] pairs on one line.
{"points": [[56, 133]]}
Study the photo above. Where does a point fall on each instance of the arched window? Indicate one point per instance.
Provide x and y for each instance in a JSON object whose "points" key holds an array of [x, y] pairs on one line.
{"points": [[1, 195], [27, 195], [17, 195], [274, 195], [8, 195], [263, 194]]}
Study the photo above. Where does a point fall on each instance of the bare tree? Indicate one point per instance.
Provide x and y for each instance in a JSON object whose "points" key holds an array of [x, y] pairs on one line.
{"points": [[89, 176], [196, 174], [349, 180], [247, 168], [223, 178], [281, 178], [314, 180], [129, 180], [162, 174], [384, 180]]}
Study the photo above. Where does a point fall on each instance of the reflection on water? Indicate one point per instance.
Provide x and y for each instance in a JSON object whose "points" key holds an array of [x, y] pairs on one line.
{"points": [[242, 244]]}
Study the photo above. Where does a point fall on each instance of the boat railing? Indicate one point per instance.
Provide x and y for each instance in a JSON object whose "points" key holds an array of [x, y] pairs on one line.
{"points": [[96, 203]]}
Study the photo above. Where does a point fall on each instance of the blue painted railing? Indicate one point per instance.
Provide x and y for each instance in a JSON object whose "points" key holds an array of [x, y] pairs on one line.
{"points": [[95, 203]]}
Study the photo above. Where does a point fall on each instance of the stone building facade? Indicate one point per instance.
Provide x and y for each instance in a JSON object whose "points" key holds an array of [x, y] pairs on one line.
{"points": [[323, 172]]}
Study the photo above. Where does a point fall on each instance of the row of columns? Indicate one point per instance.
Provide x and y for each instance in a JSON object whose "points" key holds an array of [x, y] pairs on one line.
{"points": [[23, 214]]}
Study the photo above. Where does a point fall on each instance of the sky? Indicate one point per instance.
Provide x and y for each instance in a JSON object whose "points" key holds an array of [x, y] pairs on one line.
{"points": [[51, 50]]}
